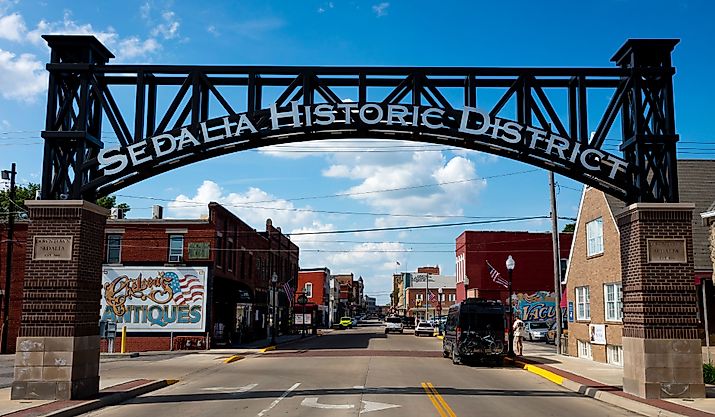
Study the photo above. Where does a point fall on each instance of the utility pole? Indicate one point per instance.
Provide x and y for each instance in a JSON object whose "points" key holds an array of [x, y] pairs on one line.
{"points": [[8, 262], [557, 262]]}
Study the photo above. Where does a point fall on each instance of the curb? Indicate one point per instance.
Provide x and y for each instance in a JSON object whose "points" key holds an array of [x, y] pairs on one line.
{"points": [[268, 349], [91, 405], [603, 395]]}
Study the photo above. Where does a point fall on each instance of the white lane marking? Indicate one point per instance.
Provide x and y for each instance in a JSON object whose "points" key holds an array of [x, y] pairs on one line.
{"points": [[359, 387], [368, 406], [313, 402], [232, 389], [277, 400]]}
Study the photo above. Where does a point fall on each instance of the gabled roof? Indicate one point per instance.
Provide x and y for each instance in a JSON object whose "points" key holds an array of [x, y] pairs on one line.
{"points": [[696, 184]]}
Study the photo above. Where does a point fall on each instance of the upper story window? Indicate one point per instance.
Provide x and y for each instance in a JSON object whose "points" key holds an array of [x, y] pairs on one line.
{"points": [[114, 248], [309, 289], [418, 296], [594, 237], [176, 248], [452, 297]]}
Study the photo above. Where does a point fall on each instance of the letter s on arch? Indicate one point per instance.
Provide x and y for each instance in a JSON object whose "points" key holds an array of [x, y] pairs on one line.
{"points": [[112, 156]]}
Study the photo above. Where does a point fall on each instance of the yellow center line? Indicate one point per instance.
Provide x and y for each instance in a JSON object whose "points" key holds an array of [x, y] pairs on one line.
{"points": [[434, 400], [439, 403]]}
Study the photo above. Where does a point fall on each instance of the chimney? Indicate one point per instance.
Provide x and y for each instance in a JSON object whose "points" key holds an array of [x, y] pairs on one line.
{"points": [[116, 213], [157, 212]]}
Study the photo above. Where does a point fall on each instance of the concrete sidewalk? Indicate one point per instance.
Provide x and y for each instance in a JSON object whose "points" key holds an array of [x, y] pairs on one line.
{"points": [[604, 382]]}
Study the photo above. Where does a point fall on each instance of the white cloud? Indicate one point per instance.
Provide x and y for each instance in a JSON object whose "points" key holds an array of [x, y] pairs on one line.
{"points": [[12, 27], [212, 30], [413, 174], [134, 47], [145, 10], [23, 77], [380, 9], [170, 28], [282, 212]]}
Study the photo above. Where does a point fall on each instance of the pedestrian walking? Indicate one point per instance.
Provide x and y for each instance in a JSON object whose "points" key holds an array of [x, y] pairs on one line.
{"points": [[519, 336]]}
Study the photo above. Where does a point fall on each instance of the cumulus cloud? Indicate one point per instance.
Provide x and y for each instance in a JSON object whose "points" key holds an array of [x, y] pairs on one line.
{"points": [[23, 76], [12, 27], [422, 183], [253, 206]]}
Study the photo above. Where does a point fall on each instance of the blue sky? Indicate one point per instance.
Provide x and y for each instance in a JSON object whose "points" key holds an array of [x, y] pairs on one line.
{"points": [[279, 183]]}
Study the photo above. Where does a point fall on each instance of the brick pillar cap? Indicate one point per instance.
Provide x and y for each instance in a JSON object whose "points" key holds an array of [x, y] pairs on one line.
{"points": [[657, 207], [31, 204]]}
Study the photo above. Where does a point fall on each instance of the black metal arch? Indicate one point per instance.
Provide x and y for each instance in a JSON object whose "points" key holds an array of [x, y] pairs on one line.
{"points": [[82, 95]]}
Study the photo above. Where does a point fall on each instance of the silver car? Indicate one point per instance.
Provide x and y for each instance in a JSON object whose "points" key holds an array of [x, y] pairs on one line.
{"points": [[536, 330]]}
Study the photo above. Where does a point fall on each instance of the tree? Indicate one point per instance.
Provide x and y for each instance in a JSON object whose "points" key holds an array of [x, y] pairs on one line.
{"points": [[110, 202], [569, 228], [17, 207]]}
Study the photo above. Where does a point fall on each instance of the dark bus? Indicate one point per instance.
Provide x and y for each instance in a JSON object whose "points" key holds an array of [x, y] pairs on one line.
{"points": [[475, 331]]}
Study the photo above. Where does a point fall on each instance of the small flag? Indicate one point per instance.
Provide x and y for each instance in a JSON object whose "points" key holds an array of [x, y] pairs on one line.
{"points": [[289, 291], [496, 276], [398, 264], [432, 297]]}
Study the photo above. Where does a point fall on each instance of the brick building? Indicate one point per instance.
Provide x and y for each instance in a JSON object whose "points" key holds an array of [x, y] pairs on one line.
{"points": [[533, 276], [594, 289], [314, 283], [238, 259], [17, 282]]}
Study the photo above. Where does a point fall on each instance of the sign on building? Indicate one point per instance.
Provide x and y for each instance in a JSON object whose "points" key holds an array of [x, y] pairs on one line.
{"points": [[302, 319], [52, 248], [199, 250], [155, 299]]}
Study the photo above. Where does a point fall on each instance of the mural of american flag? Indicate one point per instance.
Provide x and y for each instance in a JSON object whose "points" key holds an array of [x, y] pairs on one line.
{"points": [[186, 289]]}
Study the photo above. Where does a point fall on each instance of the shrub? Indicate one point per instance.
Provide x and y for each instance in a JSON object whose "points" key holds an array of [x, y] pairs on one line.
{"points": [[709, 373]]}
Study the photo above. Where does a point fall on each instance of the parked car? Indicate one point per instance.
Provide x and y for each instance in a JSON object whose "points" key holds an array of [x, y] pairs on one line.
{"points": [[346, 322], [536, 330], [424, 327], [393, 324], [408, 322], [475, 331]]}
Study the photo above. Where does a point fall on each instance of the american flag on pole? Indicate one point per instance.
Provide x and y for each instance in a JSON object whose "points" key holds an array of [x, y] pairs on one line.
{"points": [[289, 291], [496, 276], [432, 297], [187, 289]]}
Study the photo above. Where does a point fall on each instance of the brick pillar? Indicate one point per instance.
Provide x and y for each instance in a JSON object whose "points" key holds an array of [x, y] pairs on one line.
{"points": [[662, 350], [57, 353]]}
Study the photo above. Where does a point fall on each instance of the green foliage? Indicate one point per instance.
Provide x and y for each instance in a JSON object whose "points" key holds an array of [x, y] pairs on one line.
{"points": [[107, 202], [22, 193], [110, 201], [709, 373], [569, 228]]}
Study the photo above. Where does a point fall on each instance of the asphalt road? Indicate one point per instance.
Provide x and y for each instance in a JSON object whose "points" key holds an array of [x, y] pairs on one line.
{"points": [[360, 372]]}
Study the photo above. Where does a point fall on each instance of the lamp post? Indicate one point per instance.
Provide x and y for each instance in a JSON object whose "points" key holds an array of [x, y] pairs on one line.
{"points": [[510, 263], [8, 175], [439, 302], [274, 281]]}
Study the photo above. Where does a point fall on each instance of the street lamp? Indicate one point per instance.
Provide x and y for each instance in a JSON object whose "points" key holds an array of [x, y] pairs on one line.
{"points": [[274, 281], [510, 263], [439, 302]]}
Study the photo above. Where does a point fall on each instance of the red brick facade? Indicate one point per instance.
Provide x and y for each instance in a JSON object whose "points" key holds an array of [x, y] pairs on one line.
{"points": [[533, 253]]}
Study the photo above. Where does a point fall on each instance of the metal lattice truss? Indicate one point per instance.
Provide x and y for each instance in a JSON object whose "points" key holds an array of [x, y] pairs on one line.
{"points": [[164, 117]]}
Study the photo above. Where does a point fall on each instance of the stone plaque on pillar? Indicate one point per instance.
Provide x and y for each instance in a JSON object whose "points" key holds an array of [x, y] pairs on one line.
{"points": [[57, 355], [662, 356]]}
